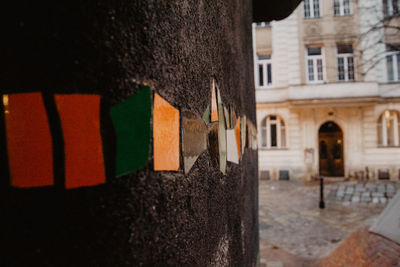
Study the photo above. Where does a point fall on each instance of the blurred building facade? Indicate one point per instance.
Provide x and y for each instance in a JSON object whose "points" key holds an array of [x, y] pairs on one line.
{"points": [[328, 91]]}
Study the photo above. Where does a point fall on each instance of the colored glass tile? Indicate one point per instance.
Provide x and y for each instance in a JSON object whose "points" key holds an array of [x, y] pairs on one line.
{"points": [[206, 115], [252, 136], [29, 141], [80, 123], [131, 120], [194, 139], [232, 116], [243, 133], [214, 105], [237, 135], [221, 134], [232, 148], [165, 135], [213, 147], [226, 117]]}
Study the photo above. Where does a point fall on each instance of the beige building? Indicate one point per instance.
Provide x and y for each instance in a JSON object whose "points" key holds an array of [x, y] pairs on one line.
{"points": [[328, 94]]}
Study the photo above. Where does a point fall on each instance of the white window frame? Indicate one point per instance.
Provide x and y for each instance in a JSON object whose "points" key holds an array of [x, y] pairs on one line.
{"points": [[394, 116], [390, 10], [263, 24], [342, 8], [264, 63], [315, 59], [267, 122], [395, 66], [345, 57], [312, 11]]}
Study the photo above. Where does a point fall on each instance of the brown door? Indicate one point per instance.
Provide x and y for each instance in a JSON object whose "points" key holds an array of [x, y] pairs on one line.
{"points": [[331, 150]]}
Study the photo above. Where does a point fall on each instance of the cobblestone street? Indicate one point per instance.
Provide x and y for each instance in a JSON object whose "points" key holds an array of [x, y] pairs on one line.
{"points": [[294, 231]]}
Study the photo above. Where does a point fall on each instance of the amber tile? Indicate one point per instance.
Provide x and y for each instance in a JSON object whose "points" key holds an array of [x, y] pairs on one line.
{"points": [[29, 141], [194, 138], [214, 105], [165, 135], [80, 123], [237, 135], [232, 148]]}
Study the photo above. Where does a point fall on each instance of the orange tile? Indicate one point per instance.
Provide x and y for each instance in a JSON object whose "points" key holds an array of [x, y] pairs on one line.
{"points": [[165, 135], [214, 105], [237, 134], [80, 123], [29, 141]]}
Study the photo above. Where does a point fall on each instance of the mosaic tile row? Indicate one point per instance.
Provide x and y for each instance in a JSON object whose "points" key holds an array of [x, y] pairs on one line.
{"points": [[30, 144]]}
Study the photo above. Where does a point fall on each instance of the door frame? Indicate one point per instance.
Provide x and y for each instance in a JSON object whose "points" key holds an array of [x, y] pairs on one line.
{"points": [[340, 125]]}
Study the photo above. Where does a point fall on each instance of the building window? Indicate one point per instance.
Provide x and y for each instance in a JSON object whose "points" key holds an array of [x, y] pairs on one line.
{"points": [[391, 7], [265, 175], [389, 128], [264, 71], [273, 132], [263, 24], [345, 63], [315, 70], [311, 9], [341, 7], [393, 64]]}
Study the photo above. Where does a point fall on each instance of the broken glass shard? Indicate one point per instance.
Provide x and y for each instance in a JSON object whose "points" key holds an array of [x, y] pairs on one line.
{"points": [[206, 115], [221, 134], [232, 148], [194, 138]]}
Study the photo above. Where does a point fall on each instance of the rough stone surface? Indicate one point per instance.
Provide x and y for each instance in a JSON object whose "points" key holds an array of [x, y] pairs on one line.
{"points": [[113, 48], [371, 192], [294, 231], [355, 199], [291, 220]]}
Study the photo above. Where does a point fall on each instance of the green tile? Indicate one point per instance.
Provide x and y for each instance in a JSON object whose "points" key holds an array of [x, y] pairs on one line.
{"points": [[131, 120]]}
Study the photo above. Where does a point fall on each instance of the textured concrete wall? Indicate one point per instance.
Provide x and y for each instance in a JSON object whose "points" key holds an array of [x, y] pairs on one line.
{"points": [[112, 48]]}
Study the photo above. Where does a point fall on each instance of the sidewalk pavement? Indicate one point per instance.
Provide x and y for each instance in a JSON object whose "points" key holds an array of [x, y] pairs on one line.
{"points": [[295, 232]]}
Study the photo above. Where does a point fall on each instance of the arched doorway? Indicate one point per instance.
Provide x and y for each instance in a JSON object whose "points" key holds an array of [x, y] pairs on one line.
{"points": [[330, 140]]}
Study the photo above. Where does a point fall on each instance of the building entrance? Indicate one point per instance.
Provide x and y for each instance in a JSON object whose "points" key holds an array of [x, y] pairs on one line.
{"points": [[330, 140]]}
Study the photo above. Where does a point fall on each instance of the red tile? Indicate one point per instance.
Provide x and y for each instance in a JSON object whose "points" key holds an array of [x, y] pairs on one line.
{"points": [[29, 141], [80, 123]]}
